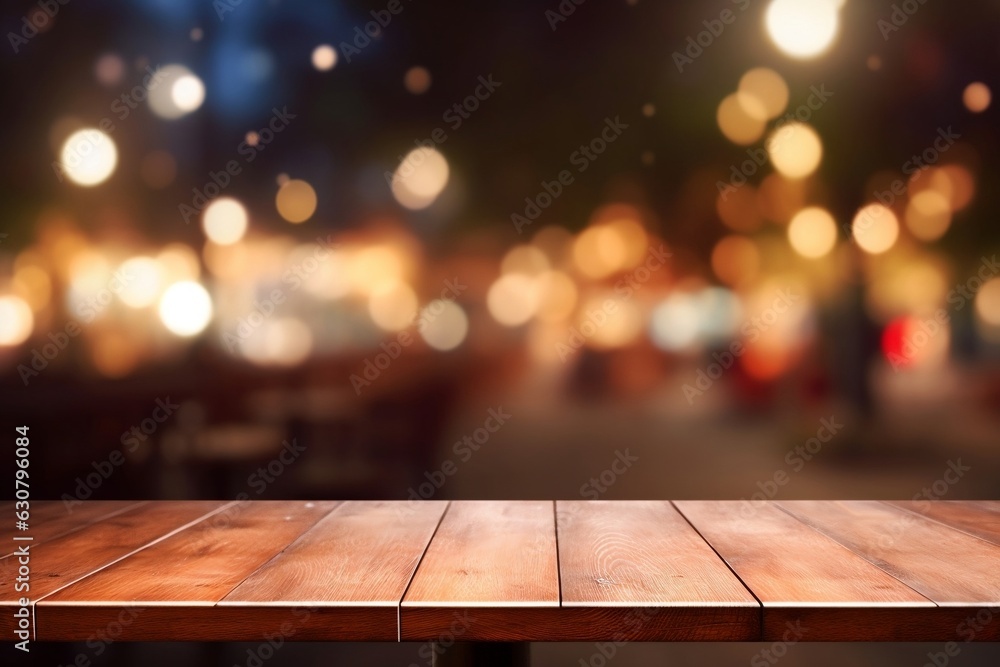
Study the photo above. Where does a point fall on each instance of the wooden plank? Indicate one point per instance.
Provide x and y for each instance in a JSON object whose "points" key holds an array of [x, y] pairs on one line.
{"points": [[71, 557], [489, 564], [637, 571], [978, 518], [953, 569], [798, 573], [183, 575], [50, 519], [350, 571]]}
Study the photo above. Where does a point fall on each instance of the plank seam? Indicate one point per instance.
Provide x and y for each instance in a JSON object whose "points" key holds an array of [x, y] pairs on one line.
{"points": [[399, 606], [283, 549], [173, 532], [555, 526], [760, 605], [939, 521], [787, 511]]}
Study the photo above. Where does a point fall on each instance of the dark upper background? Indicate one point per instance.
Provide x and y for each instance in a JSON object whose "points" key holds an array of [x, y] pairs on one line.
{"points": [[569, 419]]}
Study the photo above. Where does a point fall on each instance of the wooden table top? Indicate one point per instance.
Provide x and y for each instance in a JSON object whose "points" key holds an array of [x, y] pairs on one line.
{"points": [[509, 571]]}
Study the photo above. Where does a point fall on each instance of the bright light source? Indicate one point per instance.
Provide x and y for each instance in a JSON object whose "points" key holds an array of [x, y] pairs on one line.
{"points": [[324, 57], [88, 157], [224, 221], [420, 178], [443, 325], [812, 232], [875, 229], [186, 308], [188, 92], [143, 278], [802, 28], [795, 150], [16, 321]]}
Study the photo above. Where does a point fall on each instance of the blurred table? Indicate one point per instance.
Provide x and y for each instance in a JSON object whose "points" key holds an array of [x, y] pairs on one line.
{"points": [[465, 572]]}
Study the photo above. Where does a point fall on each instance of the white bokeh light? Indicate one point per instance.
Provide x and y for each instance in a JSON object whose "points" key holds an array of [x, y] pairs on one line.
{"points": [[802, 28], [88, 157], [186, 308]]}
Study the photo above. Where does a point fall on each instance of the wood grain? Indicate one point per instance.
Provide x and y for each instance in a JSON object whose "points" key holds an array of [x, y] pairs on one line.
{"points": [[487, 556], [978, 518], [790, 567], [640, 567], [67, 559], [352, 568], [953, 569], [50, 519]]}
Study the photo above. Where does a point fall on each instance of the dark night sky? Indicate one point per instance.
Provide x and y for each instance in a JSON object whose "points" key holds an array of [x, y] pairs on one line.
{"points": [[606, 60]]}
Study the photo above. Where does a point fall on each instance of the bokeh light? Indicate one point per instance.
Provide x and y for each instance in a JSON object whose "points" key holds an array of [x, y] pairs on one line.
{"points": [[420, 178], [675, 323], [393, 306], [417, 80], [988, 302], [928, 215], [443, 325], [142, 282], [523, 258], [875, 228], [512, 299], [741, 118], [88, 157], [296, 201], [802, 28], [795, 150], [187, 93], [224, 221], [175, 92], [812, 232], [769, 90], [557, 296], [977, 97], [16, 321], [186, 308], [324, 57]]}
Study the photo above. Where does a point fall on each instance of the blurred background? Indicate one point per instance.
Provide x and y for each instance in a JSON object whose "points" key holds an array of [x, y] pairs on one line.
{"points": [[274, 249]]}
